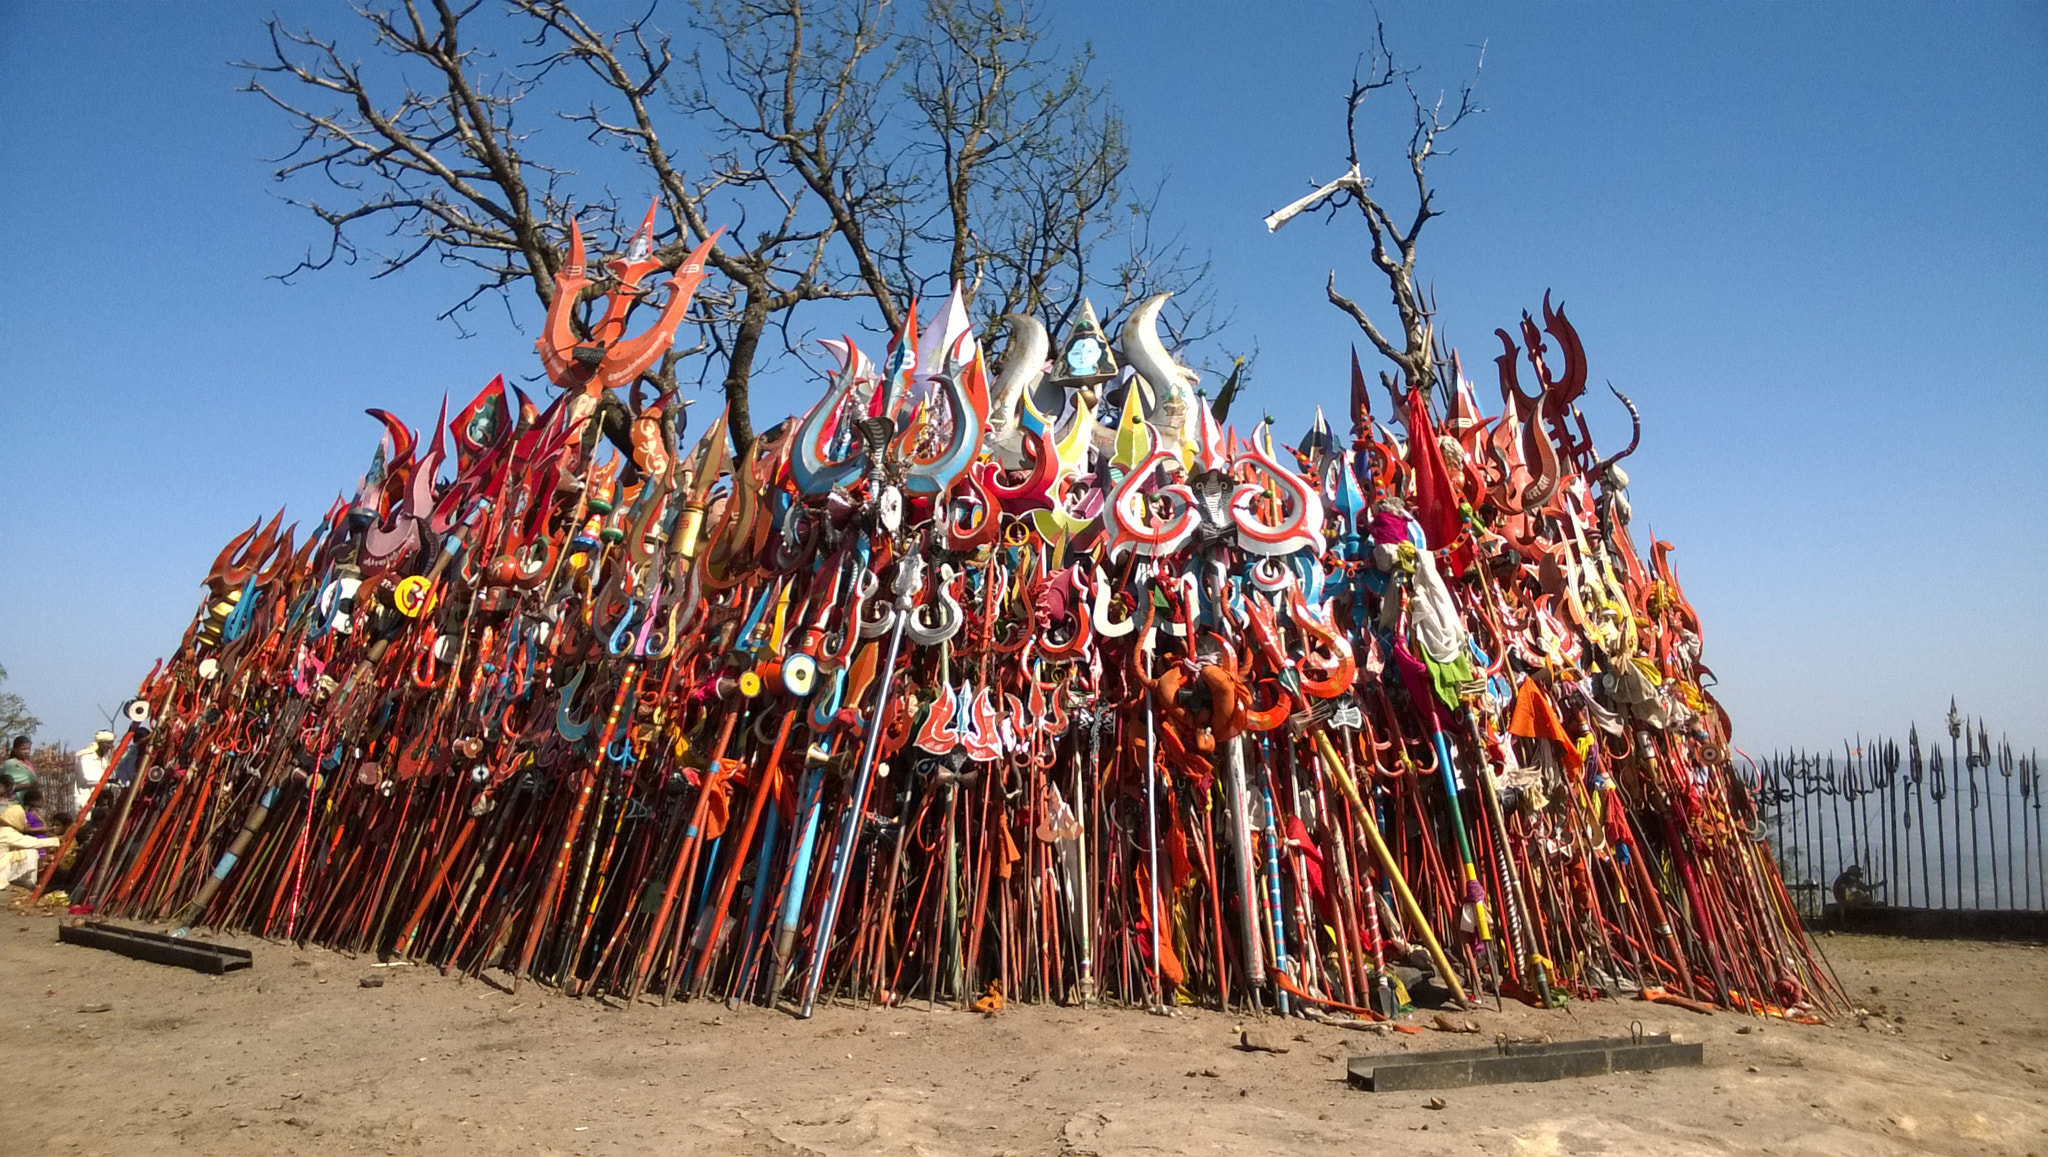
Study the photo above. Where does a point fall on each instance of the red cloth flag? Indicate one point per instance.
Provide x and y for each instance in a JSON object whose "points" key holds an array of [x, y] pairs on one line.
{"points": [[1435, 500]]}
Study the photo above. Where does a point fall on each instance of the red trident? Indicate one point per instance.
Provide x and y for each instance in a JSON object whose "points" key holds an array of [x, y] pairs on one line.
{"points": [[607, 358]]}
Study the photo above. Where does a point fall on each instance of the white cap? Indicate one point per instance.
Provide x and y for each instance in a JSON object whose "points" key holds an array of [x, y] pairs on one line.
{"points": [[104, 737]]}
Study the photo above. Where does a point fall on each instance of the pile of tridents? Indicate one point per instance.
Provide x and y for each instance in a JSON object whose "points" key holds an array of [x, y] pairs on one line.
{"points": [[1040, 687]]}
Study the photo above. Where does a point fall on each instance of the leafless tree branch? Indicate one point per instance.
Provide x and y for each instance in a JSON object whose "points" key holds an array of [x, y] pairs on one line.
{"points": [[1393, 247], [852, 150]]}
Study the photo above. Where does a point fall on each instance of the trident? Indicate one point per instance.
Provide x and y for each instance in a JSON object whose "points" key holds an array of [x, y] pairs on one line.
{"points": [[909, 578]]}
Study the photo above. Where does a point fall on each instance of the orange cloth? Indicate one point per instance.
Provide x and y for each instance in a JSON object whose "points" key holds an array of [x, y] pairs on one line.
{"points": [[1536, 718], [1181, 864], [718, 797], [1169, 962], [1010, 853]]}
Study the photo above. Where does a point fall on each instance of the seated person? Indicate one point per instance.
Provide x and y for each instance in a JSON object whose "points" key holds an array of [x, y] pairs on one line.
{"points": [[1852, 892], [22, 837]]}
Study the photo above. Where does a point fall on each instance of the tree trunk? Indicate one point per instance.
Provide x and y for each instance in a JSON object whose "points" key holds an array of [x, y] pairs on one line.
{"points": [[739, 370]]}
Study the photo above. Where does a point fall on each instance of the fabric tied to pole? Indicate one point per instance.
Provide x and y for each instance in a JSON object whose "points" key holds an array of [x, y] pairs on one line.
{"points": [[1435, 501], [1420, 683], [718, 797], [1535, 717], [1170, 968], [1311, 856]]}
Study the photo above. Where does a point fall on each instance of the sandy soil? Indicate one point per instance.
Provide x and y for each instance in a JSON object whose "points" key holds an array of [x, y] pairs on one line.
{"points": [[295, 1056]]}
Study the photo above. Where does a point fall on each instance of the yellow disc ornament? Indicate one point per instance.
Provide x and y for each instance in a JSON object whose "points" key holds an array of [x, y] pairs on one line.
{"points": [[414, 596]]}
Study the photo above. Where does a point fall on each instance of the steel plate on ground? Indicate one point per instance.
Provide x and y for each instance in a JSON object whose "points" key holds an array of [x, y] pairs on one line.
{"points": [[1512, 1062], [156, 947]]}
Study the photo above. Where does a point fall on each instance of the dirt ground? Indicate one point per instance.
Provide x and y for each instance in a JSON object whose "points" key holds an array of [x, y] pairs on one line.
{"points": [[295, 1056]]}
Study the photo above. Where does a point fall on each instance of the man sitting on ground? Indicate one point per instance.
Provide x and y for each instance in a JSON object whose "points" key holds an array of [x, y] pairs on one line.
{"points": [[1852, 892]]}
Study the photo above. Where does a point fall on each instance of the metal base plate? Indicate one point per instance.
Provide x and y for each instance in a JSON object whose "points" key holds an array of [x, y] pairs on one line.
{"points": [[1511, 1063], [156, 947]]}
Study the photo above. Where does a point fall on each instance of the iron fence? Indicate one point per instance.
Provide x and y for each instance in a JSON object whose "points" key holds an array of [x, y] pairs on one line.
{"points": [[1908, 826]]}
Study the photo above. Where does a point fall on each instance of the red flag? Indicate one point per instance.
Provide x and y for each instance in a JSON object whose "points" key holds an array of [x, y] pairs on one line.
{"points": [[1436, 503], [1181, 864]]}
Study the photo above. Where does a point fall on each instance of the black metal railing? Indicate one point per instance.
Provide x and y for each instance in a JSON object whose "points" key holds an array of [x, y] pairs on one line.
{"points": [[1912, 826]]}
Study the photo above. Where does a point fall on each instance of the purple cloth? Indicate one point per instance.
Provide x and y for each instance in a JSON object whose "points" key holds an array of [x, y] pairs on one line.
{"points": [[1421, 688], [1388, 527]]}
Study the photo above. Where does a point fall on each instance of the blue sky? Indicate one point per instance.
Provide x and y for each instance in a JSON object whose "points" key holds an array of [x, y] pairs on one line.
{"points": [[1809, 240]]}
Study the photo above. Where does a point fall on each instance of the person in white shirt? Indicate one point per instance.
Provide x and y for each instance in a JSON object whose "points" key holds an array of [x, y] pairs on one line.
{"points": [[92, 764]]}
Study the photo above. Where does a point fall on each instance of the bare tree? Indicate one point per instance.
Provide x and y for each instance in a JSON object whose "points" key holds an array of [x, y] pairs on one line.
{"points": [[1030, 161], [968, 151], [1395, 236], [445, 169], [771, 69], [439, 165], [844, 148]]}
